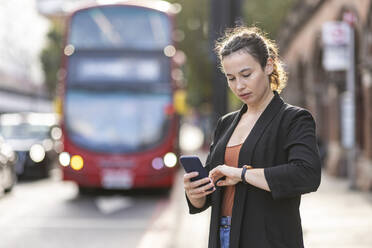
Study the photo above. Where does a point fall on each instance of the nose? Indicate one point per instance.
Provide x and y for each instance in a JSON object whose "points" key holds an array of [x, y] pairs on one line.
{"points": [[240, 84]]}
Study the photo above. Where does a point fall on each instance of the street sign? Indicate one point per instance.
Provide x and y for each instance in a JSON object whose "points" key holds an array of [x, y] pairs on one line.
{"points": [[336, 41]]}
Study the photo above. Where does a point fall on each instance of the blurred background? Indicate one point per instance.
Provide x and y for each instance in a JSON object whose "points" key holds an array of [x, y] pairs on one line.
{"points": [[98, 99]]}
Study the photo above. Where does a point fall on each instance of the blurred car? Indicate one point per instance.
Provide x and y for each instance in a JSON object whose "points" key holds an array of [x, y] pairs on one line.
{"points": [[35, 137], [7, 169]]}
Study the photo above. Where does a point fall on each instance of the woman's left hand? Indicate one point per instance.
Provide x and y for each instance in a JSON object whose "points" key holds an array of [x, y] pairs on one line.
{"points": [[231, 174]]}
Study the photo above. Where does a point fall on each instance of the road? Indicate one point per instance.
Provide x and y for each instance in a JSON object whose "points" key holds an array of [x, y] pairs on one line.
{"points": [[51, 213]]}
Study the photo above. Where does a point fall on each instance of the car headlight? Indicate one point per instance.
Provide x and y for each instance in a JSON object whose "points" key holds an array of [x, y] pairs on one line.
{"points": [[64, 159], [37, 153]]}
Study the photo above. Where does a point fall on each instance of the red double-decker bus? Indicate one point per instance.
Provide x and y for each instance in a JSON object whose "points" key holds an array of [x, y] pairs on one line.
{"points": [[119, 126]]}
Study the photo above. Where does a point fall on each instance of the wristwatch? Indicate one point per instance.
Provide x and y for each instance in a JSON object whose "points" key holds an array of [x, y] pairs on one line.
{"points": [[242, 176]]}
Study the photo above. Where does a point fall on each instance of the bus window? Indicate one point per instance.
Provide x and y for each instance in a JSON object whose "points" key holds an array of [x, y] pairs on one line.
{"points": [[120, 27], [119, 68]]}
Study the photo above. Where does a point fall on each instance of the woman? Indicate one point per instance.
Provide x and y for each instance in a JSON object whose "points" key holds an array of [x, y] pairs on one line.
{"points": [[265, 154]]}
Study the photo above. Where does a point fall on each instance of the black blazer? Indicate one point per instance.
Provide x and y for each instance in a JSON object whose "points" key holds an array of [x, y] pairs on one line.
{"points": [[282, 142]]}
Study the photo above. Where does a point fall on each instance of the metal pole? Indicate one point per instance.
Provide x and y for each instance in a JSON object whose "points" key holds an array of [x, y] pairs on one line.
{"points": [[224, 13], [350, 89], [219, 21]]}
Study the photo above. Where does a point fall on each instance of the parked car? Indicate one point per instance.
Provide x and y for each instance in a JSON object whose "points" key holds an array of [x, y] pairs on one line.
{"points": [[35, 137], [7, 169]]}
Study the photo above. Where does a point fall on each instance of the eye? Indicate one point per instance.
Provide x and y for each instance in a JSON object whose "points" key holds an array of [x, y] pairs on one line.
{"points": [[247, 75], [230, 79]]}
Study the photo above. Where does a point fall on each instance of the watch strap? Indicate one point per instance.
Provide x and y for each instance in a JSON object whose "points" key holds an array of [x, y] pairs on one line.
{"points": [[242, 176]]}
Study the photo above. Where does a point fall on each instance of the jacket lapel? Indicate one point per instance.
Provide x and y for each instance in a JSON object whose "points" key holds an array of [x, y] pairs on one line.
{"points": [[245, 157], [221, 144], [218, 159], [263, 121]]}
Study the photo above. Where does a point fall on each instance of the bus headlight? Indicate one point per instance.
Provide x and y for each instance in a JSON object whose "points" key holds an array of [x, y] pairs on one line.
{"points": [[77, 162], [64, 158], [170, 159], [37, 153]]}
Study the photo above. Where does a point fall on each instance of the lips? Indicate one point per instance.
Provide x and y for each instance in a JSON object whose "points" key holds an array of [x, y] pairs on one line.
{"points": [[245, 95]]}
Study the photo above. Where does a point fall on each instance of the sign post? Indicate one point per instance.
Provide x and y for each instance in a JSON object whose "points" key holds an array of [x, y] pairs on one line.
{"points": [[338, 40]]}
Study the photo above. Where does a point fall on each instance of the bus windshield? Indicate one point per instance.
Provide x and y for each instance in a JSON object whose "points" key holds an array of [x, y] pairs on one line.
{"points": [[116, 121], [120, 27]]}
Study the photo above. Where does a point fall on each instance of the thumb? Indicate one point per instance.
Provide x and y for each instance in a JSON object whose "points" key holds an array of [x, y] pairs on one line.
{"points": [[221, 183]]}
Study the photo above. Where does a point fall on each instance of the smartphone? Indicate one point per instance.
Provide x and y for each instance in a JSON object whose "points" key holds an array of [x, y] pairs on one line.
{"points": [[191, 164]]}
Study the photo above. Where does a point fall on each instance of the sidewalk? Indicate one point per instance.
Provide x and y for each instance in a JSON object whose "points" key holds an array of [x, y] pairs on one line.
{"points": [[175, 227], [334, 216]]}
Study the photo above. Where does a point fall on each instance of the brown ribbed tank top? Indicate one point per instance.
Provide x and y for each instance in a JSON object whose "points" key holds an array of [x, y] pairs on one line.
{"points": [[231, 159]]}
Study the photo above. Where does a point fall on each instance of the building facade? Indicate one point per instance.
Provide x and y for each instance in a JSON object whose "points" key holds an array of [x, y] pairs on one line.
{"points": [[322, 92]]}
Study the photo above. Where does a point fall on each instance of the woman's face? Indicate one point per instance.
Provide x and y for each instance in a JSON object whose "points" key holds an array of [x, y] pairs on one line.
{"points": [[246, 78]]}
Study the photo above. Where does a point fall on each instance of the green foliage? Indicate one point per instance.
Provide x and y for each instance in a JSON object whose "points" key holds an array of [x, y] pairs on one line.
{"points": [[192, 21], [51, 57], [267, 15]]}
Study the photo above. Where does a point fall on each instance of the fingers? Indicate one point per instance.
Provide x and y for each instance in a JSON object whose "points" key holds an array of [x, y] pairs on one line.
{"points": [[221, 183], [199, 188], [189, 184], [188, 176], [202, 190], [209, 186], [200, 182], [216, 173], [203, 194], [205, 186]]}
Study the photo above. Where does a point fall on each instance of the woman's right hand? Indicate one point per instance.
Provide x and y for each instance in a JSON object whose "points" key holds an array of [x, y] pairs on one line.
{"points": [[194, 192]]}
